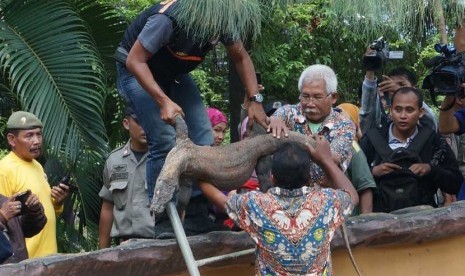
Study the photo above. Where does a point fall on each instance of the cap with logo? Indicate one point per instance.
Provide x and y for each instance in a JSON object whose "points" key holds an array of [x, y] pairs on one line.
{"points": [[129, 112], [23, 120]]}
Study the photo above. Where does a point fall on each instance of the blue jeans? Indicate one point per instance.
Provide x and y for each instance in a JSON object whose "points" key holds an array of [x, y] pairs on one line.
{"points": [[160, 135]]}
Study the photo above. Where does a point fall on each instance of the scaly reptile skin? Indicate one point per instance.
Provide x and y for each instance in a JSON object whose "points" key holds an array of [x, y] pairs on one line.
{"points": [[227, 167]]}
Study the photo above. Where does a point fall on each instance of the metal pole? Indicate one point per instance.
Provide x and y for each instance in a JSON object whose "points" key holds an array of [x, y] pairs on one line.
{"points": [[182, 240], [225, 257]]}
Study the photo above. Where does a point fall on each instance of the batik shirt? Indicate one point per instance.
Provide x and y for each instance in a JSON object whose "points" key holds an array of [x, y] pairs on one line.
{"points": [[337, 128], [292, 228]]}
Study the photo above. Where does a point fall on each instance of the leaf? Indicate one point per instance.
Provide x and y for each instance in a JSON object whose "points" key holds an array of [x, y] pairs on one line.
{"points": [[52, 67]]}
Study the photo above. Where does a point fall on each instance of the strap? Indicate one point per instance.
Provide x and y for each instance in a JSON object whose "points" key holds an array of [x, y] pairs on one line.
{"points": [[121, 54], [166, 4], [379, 143], [419, 141]]}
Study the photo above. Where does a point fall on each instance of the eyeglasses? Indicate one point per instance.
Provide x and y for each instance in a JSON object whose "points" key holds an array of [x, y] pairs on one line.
{"points": [[317, 99]]}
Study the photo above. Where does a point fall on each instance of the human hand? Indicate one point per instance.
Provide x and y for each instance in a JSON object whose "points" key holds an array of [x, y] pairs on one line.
{"points": [[420, 169], [369, 51], [33, 203], [256, 114], [384, 168], [59, 193], [277, 126], [448, 103], [321, 152], [388, 85], [11, 207], [169, 110], [261, 88]]}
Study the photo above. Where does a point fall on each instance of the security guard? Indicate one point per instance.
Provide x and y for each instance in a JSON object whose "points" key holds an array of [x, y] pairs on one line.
{"points": [[125, 209]]}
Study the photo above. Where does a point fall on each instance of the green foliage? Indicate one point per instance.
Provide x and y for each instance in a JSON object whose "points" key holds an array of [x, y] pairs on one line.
{"points": [[129, 9], [68, 85], [71, 240], [55, 60], [416, 18], [238, 19], [206, 83], [302, 35]]}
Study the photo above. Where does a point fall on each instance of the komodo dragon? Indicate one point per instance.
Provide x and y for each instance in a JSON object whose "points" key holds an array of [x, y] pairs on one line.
{"points": [[227, 167]]}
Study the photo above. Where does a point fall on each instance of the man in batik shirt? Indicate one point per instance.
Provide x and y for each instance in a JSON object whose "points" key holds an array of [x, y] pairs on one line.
{"points": [[293, 223], [314, 115]]}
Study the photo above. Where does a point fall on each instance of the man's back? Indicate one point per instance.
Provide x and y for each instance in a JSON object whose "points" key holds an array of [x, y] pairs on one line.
{"points": [[292, 228]]}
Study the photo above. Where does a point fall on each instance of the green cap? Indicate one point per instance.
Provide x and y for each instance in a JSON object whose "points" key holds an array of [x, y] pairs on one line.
{"points": [[23, 120]]}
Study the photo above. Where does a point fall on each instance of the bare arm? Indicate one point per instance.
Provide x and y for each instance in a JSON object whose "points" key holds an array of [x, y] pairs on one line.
{"points": [[369, 103], [447, 122], [105, 223], [321, 154], [213, 195], [366, 201], [246, 71], [136, 63]]}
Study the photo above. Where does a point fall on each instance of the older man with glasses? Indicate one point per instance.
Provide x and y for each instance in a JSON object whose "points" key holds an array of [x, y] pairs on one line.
{"points": [[314, 115]]}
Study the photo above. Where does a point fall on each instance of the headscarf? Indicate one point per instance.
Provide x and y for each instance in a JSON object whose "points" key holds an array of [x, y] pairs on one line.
{"points": [[216, 116], [351, 110]]}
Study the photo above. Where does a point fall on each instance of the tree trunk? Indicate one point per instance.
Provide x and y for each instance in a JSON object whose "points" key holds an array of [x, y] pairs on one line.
{"points": [[441, 22]]}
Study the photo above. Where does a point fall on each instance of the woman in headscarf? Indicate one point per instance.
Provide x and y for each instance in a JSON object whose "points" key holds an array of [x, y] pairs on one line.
{"points": [[219, 124]]}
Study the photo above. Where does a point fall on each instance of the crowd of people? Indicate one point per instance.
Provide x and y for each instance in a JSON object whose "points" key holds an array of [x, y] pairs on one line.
{"points": [[389, 154]]}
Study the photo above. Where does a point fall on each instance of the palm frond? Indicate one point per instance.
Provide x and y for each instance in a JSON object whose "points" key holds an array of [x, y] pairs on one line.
{"points": [[106, 29], [415, 17], [52, 67], [238, 19]]}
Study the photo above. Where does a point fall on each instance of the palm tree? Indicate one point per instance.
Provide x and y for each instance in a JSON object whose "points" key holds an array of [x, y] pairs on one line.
{"points": [[416, 18], [55, 61]]}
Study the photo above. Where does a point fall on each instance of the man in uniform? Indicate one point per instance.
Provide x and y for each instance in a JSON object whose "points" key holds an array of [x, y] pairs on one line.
{"points": [[125, 209]]}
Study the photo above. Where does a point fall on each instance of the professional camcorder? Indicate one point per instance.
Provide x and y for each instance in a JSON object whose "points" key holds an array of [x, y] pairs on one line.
{"points": [[377, 60], [448, 71]]}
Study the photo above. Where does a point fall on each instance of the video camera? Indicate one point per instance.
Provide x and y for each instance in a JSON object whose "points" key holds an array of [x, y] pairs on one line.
{"points": [[448, 72], [378, 59]]}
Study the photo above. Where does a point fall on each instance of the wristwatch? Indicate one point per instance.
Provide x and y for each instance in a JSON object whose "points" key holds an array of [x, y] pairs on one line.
{"points": [[257, 98]]}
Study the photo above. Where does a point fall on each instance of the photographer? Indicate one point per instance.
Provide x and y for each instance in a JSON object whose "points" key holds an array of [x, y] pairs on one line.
{"points": [[20, 224], [452, 112], [376, 98], [452, 121]]}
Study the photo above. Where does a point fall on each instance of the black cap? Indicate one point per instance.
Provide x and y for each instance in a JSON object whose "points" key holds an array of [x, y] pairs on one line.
{"points": [[129, 112], [271, 107]]}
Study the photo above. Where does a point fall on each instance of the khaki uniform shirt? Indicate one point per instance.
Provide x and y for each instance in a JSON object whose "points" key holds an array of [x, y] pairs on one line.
{"points": [[125, 186]]}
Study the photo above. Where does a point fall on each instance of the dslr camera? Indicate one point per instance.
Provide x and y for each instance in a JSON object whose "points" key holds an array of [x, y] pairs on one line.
{"points": [[448, 72], [377, 60]]}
